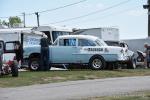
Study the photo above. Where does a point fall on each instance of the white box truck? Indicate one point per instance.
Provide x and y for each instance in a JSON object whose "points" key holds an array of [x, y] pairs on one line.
{"points": [[109, 35]]}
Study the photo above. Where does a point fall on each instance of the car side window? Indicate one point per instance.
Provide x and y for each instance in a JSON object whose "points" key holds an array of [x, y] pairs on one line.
{"points": [[84, 42], [67, 42]]}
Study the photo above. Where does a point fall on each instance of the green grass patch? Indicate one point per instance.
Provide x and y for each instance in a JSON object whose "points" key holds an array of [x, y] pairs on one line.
{"points": [[132, 96], [31, 78]]}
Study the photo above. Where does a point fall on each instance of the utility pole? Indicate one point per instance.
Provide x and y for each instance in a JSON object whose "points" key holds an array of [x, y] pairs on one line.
{"points": [[37, 14], [24, 19], [147, 6]]}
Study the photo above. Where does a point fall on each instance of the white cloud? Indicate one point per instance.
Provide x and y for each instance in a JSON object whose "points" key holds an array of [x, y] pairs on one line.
{"points": [[137, 13], [92, 6]]}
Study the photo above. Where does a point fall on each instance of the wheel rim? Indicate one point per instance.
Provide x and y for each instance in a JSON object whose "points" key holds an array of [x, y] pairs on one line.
{"points": [[34, 65], [97, 63]]}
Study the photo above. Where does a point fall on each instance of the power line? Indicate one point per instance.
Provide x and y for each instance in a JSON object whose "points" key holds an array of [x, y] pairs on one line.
{"points": [[92, 13], [62, 6], [107, 16], [53, 9]]}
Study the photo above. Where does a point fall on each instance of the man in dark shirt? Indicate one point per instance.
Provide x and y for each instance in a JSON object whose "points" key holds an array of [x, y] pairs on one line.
{"points": [[147, 55], [18, 52], [44, 55], [1, 54]]}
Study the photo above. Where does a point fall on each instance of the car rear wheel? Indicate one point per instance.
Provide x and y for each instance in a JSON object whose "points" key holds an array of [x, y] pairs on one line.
{"points": [[97, 63]]}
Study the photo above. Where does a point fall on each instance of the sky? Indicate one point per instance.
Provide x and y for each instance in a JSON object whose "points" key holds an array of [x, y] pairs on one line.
{"points": [[130, 17]]}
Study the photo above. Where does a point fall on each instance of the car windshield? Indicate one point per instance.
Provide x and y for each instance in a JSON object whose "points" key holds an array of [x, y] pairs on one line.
{"points": [[100, 42]]}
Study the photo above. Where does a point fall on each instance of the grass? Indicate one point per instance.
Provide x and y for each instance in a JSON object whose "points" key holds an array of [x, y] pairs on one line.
{"points": [[132, 96], [31, 78]]}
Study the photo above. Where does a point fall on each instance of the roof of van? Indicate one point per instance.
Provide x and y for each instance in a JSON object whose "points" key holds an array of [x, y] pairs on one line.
{"points": [[21, 30], [14, 30], [90, 37], [54, 28]]}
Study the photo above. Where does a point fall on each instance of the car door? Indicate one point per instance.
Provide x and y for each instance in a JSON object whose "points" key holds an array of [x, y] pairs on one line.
{"points": [[81, 56], [64, 51], [12, 46]]}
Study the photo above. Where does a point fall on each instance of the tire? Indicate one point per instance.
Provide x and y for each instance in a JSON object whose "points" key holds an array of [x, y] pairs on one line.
{"points": [[34, 64], [14, 70], [131, 64], [97, 62]]}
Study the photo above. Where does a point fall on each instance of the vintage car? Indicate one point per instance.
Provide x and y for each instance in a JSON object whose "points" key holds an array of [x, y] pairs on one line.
{"points": [[78, 49]]}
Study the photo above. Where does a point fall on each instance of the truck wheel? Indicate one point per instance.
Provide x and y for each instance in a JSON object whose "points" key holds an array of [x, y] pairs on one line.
{"points": [[34, 64], [97, 63], [131, 64], [14, 71]]}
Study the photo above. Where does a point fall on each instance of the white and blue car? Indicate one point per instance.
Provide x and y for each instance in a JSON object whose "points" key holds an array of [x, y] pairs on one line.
{"points": [[78, 49]]}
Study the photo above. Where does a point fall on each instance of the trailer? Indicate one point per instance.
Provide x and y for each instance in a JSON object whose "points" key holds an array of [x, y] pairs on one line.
{"points": [[109, 35], [52, 32], [25, 36]]}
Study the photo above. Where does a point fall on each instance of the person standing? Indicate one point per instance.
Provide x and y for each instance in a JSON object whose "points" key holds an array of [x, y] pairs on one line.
{"points": [[147, 55], [19, 53], [44, 66], [1, 59]]}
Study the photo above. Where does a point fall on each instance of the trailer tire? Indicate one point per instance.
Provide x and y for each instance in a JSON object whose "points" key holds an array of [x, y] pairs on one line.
{"points": [[14, 70]]}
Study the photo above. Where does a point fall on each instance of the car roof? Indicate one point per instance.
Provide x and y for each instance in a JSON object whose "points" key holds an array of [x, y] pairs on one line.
{"points": [[89, 37]]}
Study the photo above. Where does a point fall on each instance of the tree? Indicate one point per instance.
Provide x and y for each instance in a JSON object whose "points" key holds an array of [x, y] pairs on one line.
{"points": [[5, 23], [0, 22], [14, 21]]}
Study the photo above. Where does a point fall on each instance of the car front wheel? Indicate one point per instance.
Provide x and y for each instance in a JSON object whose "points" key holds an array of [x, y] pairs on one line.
{"points": [[34, 64]]}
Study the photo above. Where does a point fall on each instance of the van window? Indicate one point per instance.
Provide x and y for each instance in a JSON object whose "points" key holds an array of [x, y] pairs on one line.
{"points": [[67, 42]]}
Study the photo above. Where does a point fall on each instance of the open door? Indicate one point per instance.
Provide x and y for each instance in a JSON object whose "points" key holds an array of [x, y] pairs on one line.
{"points": [[10, 46], [14, 47]]}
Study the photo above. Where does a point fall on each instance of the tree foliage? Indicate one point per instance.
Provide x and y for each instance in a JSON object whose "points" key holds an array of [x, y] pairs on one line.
{"points": [[0, 22], [14, 20], [5, 23]]}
